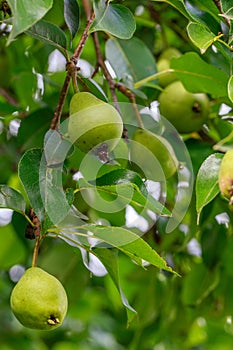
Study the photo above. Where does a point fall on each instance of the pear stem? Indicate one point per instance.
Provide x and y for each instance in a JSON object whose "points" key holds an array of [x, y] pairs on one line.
{"points": [[36, 251], [136, 111]]}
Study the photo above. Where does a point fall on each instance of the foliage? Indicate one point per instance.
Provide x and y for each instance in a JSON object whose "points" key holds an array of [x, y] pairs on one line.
{"points": [[146, 261]]}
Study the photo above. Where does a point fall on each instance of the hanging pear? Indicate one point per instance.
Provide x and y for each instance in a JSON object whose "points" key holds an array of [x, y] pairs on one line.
{"points": [[93, 122], [186, 111], [39, 300], [153, 154]]}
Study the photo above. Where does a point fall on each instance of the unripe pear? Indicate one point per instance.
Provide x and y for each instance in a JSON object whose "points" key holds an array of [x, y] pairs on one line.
{"points": [[185, 110], [93, 122], [163, 64], [39, 300], [154, 155], [225, 177], [169, 53]]}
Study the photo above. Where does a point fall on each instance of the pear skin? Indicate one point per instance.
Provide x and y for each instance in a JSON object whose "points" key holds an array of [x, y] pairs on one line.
{"points": [[225, 178], [39, 300], [185, 110], [93, 122], [163, 64], [154, 155]]}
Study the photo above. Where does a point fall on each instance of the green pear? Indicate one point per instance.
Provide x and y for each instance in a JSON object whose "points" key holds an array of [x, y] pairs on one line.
{"points": [[153, 154], [39, 300], [163, 64], [185, 110], [169, 53], [93, 122], [225, 177]]}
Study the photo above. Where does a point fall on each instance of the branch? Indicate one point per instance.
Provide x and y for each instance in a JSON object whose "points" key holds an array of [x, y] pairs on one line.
{"points": [[101, 63], [58, 111], [84, 37], [113, 85], [219, 6], [71, 75]]}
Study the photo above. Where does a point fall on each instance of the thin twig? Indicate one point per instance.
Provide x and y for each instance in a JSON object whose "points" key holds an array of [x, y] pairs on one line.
{"points": [[101, 63], [8, 98], [37, 234], [35, 252], [87, 8], [71, 75], [58, 111], [131, 96], [219, 6], [84, 37], [113, 85]]}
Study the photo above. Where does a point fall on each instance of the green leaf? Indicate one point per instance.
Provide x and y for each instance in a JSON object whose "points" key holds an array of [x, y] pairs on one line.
{"points": [[198, 284], [26, 95], [178, 5], [199, 76], [43, 184], [112, 198], [29, 166], [71, 14], [205, 13], [207, 181], [12, 249], [123, 239], [12, 199], [230, 88], [33, 128], [25, 14], [120, 176], [6, 108], [49, 33], [57, 203], [116, 20], [121, 55], [108, 257], [93, 87], [200, 36]]}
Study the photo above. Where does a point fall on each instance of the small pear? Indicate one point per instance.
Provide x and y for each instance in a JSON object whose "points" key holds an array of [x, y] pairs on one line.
{"points": [[39, 300], [163, 64], [93, 122], [154, 155], [225, 177], [185, 110]]}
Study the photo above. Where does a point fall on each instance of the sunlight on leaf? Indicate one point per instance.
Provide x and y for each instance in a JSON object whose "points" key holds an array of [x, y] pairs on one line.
{"points": [[207, 181], [26, 13]]}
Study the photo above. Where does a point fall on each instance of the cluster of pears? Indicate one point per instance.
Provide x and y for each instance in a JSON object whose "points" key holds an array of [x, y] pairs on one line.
{"points": [[39, 300], [93, 122], [185, 110], [225, 177]]}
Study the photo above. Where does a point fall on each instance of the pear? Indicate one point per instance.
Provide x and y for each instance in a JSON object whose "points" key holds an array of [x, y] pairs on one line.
{"points": [[93, 122], [169, 53], [225, 177], [185, 110], [39, 300], [163, 64], [153, 154]]}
